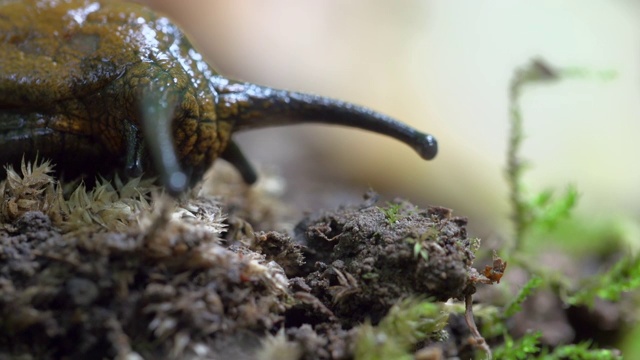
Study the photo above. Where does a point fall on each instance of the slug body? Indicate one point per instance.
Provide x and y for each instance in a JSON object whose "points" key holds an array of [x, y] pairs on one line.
{"points": [[104, 85]]}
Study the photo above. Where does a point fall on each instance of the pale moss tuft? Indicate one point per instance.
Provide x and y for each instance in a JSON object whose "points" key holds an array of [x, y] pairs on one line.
{"points": [[277, 347], [108, 206], [408, 323], [33, 189], [204, 211]]}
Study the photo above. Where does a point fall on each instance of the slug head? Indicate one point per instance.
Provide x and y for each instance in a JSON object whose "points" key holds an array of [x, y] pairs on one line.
{"points": [[189, 112]]}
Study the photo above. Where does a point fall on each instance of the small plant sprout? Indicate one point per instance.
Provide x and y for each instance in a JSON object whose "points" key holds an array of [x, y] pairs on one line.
{"points": [[391, 213]]}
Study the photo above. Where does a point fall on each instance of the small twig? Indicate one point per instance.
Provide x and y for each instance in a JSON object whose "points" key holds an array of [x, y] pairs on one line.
{"points": [[479, 341], [309, 299]]}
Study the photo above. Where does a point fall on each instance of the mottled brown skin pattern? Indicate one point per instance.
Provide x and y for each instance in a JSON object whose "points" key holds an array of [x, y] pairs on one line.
{"points": [[104, 85], [72, 76]]}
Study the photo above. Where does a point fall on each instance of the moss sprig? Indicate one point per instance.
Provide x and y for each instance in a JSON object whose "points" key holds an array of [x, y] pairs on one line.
{"points": [[542, 209], [624, 276], [407, 323]]}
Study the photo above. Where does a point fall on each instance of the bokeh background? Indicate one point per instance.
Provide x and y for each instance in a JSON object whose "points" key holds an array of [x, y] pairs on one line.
{"points": [[443, 67]]}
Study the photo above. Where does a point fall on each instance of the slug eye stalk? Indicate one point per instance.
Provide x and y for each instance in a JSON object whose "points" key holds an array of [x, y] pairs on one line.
{"points": [[259, 106], [157, 110]]}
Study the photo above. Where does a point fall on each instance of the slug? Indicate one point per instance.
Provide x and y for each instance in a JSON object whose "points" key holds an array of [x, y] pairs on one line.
{"points": [[99, 85]]}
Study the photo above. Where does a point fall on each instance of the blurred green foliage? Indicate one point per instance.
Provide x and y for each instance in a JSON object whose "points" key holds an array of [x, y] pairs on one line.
{"points": [[540, 219], [547, 215]]}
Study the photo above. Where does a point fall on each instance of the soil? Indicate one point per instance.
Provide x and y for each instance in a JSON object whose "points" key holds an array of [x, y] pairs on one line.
{"points": [[221, 273]]}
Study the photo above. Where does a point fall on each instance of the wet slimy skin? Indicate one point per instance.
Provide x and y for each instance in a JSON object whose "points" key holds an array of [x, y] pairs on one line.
{"points": [[99, 86]]}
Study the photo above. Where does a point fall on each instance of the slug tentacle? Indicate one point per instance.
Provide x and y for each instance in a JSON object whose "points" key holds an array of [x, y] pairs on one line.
{"points": [[157, 107], [234, 155], [134, 163], [255, 106]]}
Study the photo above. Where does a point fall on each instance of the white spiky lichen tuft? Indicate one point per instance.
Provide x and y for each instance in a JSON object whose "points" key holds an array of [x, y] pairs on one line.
{"points": [[33, 189], [108, 206]]}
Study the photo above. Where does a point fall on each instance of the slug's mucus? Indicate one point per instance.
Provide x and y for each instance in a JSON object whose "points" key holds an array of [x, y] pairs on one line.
{"points": [[98, 85]]}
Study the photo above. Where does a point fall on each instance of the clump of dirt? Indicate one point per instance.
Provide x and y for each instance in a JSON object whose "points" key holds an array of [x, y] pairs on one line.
{"points": [[134, 275], [365, 258], [115, 293]]}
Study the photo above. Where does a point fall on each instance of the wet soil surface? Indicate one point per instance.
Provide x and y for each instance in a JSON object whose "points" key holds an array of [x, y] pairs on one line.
{"points": [[188, 290]]}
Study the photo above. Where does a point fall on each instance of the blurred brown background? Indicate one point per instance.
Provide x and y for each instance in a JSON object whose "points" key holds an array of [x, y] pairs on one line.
{"points": [[443, 67]]}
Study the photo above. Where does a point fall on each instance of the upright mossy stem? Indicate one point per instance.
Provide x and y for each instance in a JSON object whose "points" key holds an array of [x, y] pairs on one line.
{"points": [[541, 212], [526, 212], [535, 72]]}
